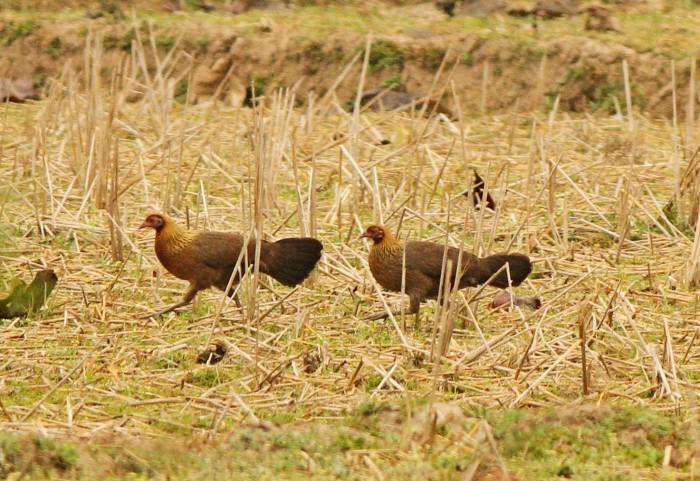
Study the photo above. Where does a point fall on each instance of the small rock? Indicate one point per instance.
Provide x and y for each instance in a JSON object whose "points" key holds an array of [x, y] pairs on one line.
{"points": [[392, 100], [202, 6], [17, 90], [494, 474], [311, 362], [481, 8], [265, 25], [555, 8], [447, 6], [434, 417], [105, 7], [503, 299], [133, 96], [236, 7], [213, 354], [171, 6], [417, 358], [600, 19]]}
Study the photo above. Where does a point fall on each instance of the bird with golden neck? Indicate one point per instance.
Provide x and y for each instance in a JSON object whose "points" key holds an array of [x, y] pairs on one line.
{"points": [[212, 259], [422, 264]]}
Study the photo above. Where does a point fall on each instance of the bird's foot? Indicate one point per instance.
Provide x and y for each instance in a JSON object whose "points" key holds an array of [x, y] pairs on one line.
{"points": [[378, 316], [161, 312]]}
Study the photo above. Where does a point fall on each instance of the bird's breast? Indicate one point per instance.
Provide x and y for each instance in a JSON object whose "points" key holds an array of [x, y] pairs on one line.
{"points": [[386, 267], [174, 260]]}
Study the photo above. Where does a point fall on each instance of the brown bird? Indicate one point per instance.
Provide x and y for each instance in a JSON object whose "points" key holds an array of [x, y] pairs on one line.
{"points": [[424, 267], [477, 189], [207, 259]]}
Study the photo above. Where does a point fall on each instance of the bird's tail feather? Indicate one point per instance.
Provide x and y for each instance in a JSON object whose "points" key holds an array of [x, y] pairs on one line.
{"points": [[519, 267], [290, 261]]}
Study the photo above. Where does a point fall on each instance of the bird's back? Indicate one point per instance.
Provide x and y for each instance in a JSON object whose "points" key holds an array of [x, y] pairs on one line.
{"points": [[197, 257], [427, 257], [218, 250]]}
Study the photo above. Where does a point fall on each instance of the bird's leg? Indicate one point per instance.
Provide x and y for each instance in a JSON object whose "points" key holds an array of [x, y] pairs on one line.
{"points": [[378, 316], [234, 295], [414, 308], [237, 300], [191, 292]]}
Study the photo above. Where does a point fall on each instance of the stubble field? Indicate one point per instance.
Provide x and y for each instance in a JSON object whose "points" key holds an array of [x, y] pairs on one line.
{"points": [[308, 387]]}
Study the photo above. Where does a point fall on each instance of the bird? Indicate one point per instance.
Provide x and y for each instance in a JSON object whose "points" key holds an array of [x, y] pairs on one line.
{"points": [[477, 191], [208, 259], [424, 267], [28, 299]]}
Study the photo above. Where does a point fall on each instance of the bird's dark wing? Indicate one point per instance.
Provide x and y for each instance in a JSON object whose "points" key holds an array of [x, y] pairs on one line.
{"points": [[427, 257], [218, 250], [478, 187]]}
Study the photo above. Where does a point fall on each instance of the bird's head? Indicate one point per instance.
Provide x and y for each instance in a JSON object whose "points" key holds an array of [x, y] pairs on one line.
{"points": [[155, 222], [378, 233], [46, 276]]}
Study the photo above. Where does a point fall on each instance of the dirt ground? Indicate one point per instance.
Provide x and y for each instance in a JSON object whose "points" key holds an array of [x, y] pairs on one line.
{"points": [[574, 133], [494, 64]]}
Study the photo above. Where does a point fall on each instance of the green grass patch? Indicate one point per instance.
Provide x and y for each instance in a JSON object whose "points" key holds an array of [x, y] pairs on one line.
{"points": [[17, 30], [384, 54], [54, 48]]}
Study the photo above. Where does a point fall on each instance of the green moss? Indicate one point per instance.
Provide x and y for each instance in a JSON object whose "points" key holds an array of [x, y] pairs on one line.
{"points": [[55, 47], [392, 82], [372, 381], [124, 43], [604, 96], [674, 217], [314, 56], [180, 93], [16, 31], [256, 88], [467, 59], [385, 54], [573, 441], [61, 455], [201, 5], [431, 59], [550, 98], [207, 377], [577, 72], [201, 41], [110, 41], [172, 360], [166, 42], [591, 443]]}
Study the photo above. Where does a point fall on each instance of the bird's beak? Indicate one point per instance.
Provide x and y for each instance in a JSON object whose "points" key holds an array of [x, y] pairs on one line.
{"points": [[144, 225], [365, 235]]}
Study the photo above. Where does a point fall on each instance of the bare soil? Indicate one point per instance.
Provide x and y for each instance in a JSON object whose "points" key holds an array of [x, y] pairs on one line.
{"points": [[487, 72]]}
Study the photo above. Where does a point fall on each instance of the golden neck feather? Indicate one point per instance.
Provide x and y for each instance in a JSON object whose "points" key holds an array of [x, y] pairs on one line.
{"points": [[388, 242], [172, 238]]}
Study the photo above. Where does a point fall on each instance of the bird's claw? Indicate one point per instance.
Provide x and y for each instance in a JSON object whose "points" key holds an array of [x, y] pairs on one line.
{"points": [[157, 314], [377, 317]]}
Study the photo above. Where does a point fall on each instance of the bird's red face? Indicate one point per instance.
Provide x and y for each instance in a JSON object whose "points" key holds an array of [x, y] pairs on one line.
{"points": [[154, 221], [375, 232]]}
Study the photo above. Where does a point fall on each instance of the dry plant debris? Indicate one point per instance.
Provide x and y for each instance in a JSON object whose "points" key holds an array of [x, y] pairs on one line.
{"points": [[583, 196]]}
